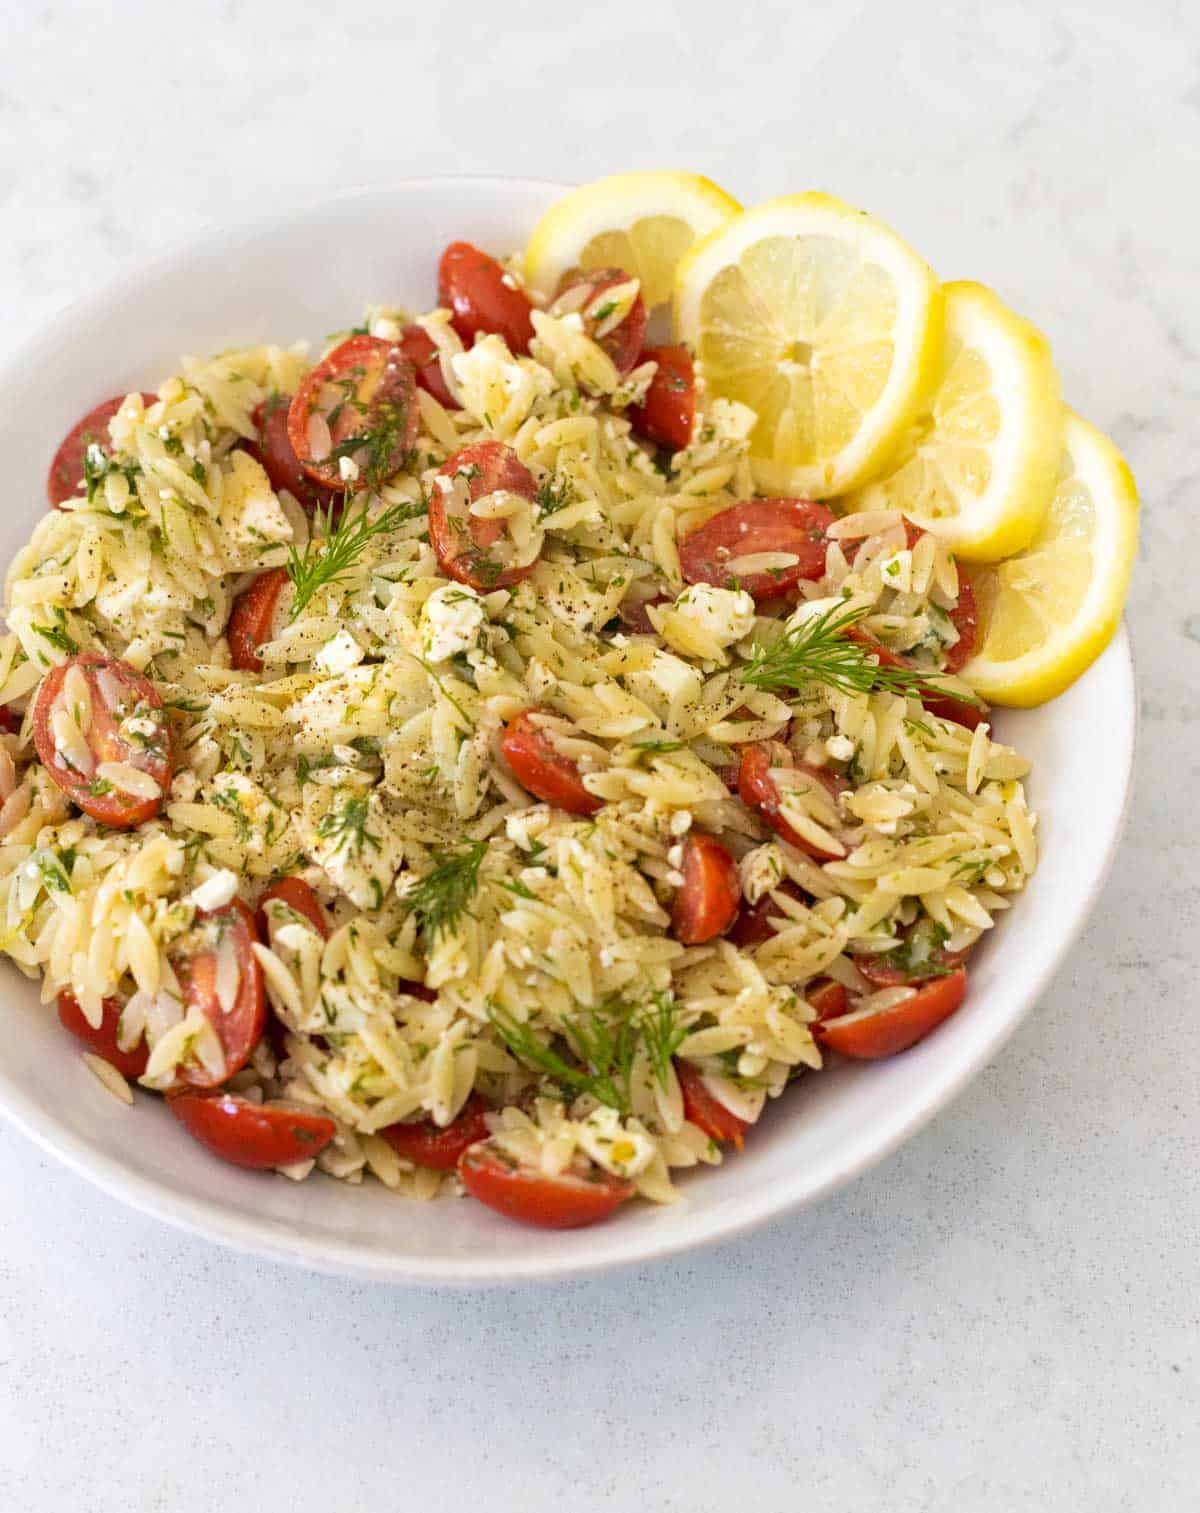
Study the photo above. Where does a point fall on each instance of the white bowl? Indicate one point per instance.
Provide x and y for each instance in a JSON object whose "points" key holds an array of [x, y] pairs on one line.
{"points": [[304, 275]]}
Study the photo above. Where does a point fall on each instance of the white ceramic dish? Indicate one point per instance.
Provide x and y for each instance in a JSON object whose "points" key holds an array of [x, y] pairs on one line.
{"points": [[309, 273]]}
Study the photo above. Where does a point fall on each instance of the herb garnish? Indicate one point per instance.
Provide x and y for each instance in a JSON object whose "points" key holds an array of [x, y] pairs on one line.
{"points": [[820, 650], [327, 559], [601, 1047], [443, 895]]}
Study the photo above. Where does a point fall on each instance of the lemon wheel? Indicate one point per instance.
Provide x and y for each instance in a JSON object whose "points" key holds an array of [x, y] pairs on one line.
{"points": [[979, 465], [641, 222], [822, 321], [1048, 612]]}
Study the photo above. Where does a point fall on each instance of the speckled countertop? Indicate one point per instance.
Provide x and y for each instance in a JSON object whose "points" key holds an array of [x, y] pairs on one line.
{"points": [[1003, 1316]]}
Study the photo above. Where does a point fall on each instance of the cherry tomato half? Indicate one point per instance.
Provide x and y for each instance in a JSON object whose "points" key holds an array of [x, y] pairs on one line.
{"points": [[916, 959], [127, 724], [274, 451], [426, 1144], [944, 706], [753, 925], [299, 898], [759, 791], [357, 403], [216, 938], [965, 619], [65, 477], [706, 1112], [585, 291], [252, 619], [794, 526], [827, 999], [667, 415], [567, 1201], [10, 719], [707, 901], [538, 766], [471, 285], [421, 350], [468, 548], [102, 1040], [257, 1135], [870, 1034]]}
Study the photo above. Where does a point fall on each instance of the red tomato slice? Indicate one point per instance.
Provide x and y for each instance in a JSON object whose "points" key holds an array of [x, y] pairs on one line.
{"points": [[10, 720], [567, 1201], [300, 899], [965, 619], [257, 1135], [795, 526], [707, 901], [102, 1041], [828, 999], [359, 402], [471, 285], [123, 705], [538, 766], [196, 960], [278, 458], [421, 350], [870, 1034], [624, 342], [917, 959], [426, 1144], [706, 1112], [65, 478], [758, 790], [469, 549], [251, 620], [667, 415], [753, 925]]}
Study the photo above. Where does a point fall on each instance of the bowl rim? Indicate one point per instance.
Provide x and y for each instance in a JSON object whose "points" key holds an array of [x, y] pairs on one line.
{"points": [[221, 1224]]}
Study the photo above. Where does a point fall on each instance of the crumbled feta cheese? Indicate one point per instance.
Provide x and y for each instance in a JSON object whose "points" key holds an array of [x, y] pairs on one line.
{"points": [[339, 654], [453, 618], [896, 571], [385, 328], [840, 747], [348, 468], [727, 615], [215, 891]]}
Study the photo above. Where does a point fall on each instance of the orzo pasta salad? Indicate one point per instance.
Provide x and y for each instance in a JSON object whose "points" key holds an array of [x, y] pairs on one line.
{"points": [[443, 760]]}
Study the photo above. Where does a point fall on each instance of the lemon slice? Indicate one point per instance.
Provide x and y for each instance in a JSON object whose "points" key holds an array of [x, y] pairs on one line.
{"points": [[979, 465], [826, 324], [1046, 614], [642, 222]]}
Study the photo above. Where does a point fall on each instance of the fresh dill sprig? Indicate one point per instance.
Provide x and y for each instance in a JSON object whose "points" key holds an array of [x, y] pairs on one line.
{"points": [[444, 894], [602, 1047], [820, 650], [327, 559], [662, 1035]]}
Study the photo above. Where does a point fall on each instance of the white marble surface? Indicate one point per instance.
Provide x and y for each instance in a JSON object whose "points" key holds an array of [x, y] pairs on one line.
{"points": [[1002, 1317]]}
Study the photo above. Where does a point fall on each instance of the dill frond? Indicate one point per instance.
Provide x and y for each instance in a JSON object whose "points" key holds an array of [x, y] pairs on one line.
{"points": [[444, 894], [328, 559], [820, 650]]}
